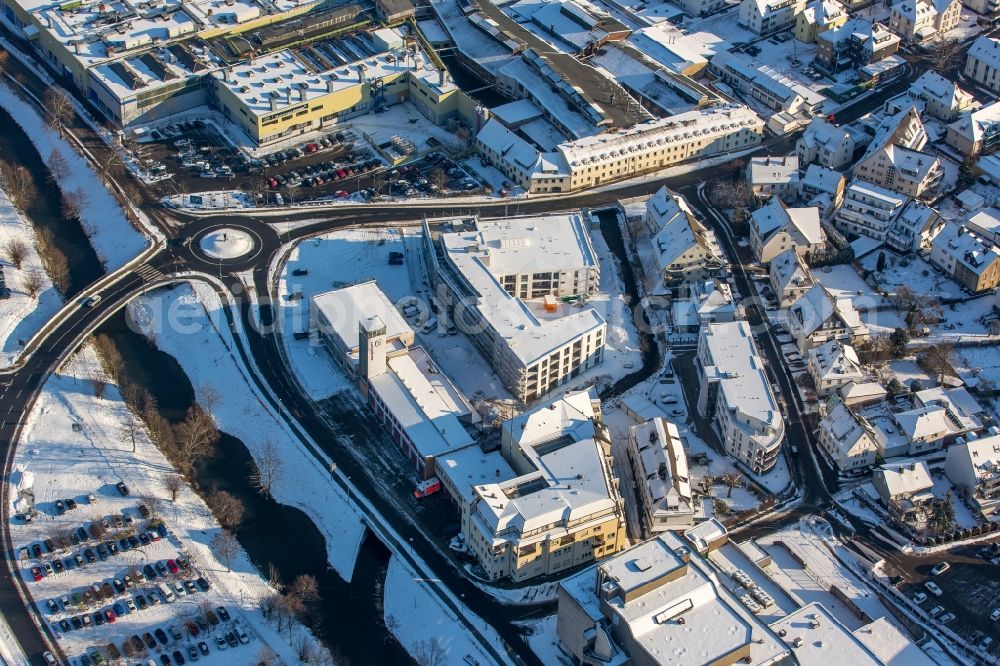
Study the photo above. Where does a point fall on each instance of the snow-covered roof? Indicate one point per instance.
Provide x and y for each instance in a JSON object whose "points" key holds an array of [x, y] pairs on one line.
{"points": [[975, 253], [924, 423], [986, 222], [905, 478], [775, 216], [531, 245], [739, 370], [343, 310], [774, 170], [649, 586], [667, 45], [913, 219], [979, 124], [986, 50], [911, 165], [835, 360], [823, 12], [904, 129], [789, 271], [517, 112], [820, 179], [818, 638], [820, 132], [933, 86], [817, 306], [421, 406], [847, 430], [663, 459], [964, 409], [981, 456], [891, 644], [915, 10], [861, 30], [518, 152], [565, 20], [569, 477], [676, 229], [855, 391], [469, 467]]}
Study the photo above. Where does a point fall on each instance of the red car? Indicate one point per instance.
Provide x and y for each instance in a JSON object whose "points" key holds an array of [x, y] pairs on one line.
{"points": [[172, 565], [341, 173], [36, 573], [312, 147], [272, 183], [109, 615], [341, 194]]}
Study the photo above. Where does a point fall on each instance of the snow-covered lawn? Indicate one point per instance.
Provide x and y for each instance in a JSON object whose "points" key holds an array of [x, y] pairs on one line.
{"points": [[964, 516], [542, 638], [423, 624], [114, 238], [914, 272], [73, 446], [906, 371], [189, 325], [976, 363], [21, 316], [844, 283]]}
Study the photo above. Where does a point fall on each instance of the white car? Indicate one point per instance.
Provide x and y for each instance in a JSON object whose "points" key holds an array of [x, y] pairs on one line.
{"points": [[940, 569], [933, 588], [937, 610], [946, 618], [920, 597], [995, 615]]}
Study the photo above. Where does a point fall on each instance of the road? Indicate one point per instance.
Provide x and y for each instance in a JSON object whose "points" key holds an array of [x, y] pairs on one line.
{"points": [[20, 385]]}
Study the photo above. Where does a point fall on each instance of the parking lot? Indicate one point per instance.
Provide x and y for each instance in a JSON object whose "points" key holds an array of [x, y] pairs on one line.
{"points": [[119, 585]]}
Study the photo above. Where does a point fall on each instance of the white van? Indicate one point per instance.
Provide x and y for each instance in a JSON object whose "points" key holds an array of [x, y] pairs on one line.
{"points": [[167, 593], [430, 325]]}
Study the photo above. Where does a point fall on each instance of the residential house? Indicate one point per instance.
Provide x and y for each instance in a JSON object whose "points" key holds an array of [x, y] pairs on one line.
{"points": [[826, 144], [982, 6], [832, 365], [982, 62], [905, 489], [736, 394], [868, 210], [857, 43], [914, 228], [976, 131], [823, 188], [917, 20], [766, 85], [767, 16], [974, 469], [847, 438], [962, 409], [686, 252], [658, 459], [706, 302], [774, 228], [986, 223], [789, 277], [895, 160], [942, 98], [771, 175], [862, 394], [921, 430], [967, 257], [819, 16], [817, 317]]}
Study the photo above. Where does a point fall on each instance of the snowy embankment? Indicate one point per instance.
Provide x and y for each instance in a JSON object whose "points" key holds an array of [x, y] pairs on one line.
{"points": [[21, 315], [73, 445], [114, 238], [429, 630], [189, 324]]}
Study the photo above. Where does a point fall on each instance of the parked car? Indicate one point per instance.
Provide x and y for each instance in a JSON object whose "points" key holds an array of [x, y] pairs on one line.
{"points": [[940, 568], [933, 588], [937, 610], [122, 488], [920, 597], [946, 618]]}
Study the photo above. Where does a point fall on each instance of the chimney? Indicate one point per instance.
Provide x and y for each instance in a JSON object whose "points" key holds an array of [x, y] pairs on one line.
{"points": [[361, 72], [288, 95], [329, 85], [274, 103], [227, 74], [442, 77]]}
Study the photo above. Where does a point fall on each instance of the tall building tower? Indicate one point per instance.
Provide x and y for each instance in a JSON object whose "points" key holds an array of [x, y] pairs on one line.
{"points": [[371, 350]]}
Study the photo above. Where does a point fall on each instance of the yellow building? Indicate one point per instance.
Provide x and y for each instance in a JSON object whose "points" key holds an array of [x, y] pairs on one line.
{"points": [[819, 16]]}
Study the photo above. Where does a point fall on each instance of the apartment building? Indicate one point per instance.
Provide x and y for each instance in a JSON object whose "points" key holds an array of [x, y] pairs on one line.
{"points": [[562, 508], [775, 228], [854, 45], [658, 459], [975, 131], [767, 16], [686, 251], [496, 281], [825, 144], [982, 62], [823, 189], [700, 7], [917, 20], [661, 593], [789, 277], [914, 228], [966, 257], [819, 16], [817, 317], [617, 155], [847, 438], [868, 210], [774, 175], [832, 365], [705, 302], [895, 159], [905, 489], [942, 98], [736, 393], [974, 469]]}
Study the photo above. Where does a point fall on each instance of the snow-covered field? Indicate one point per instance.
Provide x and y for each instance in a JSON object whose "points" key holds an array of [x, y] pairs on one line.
{"points": [[113, 237], [21, 315], [915, 273], [425, 626], [976, 363], [73, 446], [202, 345]]}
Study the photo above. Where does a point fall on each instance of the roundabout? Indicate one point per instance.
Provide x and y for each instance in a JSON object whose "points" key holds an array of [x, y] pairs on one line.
{"points": [[227, 243]]}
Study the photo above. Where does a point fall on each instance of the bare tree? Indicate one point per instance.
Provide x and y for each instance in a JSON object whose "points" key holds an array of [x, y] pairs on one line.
{"points": [[429, 652], [173, 484], [3, 61], [33, 283], [225, 545], [304, 591], [305, 649], [58, 166], [100, 386], [228, 509], [267, 470], [946, 55], [18, 183], [16, 251], [993, 328], [109, 167], [195, 438], [128, 431], [290, 190], [58, 109], [72, 203], [254, 189], [267, 657], [937, 359], [732, 480], [438, 177]]}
